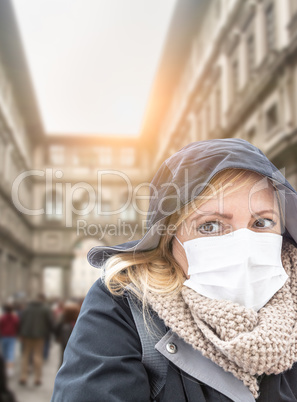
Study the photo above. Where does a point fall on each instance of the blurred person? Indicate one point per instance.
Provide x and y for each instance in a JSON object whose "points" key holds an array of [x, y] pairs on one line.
{"points": [[66, 324], [47, 341], [204, 306], [5, 394], [46, 347], [36, 324], [57, 309], [9, 328], [20, 306]]}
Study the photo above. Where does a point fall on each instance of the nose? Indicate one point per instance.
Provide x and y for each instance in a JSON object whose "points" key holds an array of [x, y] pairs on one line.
{"points": [[237, 224]]}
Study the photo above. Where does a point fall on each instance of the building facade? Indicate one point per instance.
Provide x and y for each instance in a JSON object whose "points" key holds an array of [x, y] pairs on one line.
{"points": [[91, 191], [238, 78], [19, 130]]}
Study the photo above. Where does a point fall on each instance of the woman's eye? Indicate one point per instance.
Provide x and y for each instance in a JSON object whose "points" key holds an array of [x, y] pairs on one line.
{"points": [[265, 223], [210, 227]]}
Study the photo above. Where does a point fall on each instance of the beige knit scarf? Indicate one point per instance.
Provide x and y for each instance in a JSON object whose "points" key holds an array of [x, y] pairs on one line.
{"points": [[240, 340]]}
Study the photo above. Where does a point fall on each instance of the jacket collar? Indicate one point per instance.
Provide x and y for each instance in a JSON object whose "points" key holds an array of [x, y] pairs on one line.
{"points": [[192, 362]]}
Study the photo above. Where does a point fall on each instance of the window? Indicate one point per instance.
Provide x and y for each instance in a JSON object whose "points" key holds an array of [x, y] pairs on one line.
{"points": [[83, 201], [105, 156], [251, 53], [53, 281], [88, 157], [56, 155], [218, 106], [235, 77], [75, 158], [270, 27], [84, 157], [104, 209], [271, 118], [127, 156], [54, 206], [129, 214]]}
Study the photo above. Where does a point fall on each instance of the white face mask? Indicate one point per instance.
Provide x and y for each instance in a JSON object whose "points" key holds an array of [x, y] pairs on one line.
{"points": [[243, 266]]}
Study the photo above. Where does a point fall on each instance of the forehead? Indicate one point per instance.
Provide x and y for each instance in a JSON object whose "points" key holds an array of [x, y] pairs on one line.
{"points": [[254, 191]]}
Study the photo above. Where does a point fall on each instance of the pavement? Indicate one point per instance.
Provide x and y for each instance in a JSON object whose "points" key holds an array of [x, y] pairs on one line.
{"points": [[30, 392]]}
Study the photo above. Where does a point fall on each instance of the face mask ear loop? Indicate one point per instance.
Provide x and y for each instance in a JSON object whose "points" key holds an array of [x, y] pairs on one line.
{"points": [[179, 241], [280, 207]]}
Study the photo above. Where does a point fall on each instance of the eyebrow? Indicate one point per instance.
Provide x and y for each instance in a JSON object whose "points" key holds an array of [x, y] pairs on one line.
{"points": [[230, 216], [267, 210], [226, 216]]}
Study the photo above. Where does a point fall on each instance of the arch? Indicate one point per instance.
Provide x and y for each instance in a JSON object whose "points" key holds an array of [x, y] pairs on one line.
{"points": [[53, 281]]}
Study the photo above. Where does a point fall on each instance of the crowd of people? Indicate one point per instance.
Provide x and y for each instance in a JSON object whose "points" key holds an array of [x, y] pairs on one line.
{"points": [[32, 326]]}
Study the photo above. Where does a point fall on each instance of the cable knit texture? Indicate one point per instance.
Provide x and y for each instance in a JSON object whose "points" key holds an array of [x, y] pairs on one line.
{"points": [[240, 340]]}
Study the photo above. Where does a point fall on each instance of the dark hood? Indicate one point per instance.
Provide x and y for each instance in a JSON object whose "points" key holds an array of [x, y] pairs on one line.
{"points": [[184, 175]]}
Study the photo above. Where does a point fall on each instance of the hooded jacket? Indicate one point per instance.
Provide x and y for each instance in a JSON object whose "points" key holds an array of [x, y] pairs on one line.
{"points": [[103, 360]]}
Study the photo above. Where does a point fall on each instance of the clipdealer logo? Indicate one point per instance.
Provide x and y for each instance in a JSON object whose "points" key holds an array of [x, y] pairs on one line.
{"points": [[166, 199]]}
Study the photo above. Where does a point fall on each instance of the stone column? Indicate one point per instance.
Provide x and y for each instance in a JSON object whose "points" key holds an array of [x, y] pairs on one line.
{"points": [[66, 281], [243, 63], [24, 275], [226, 88], [282, 20], [289, 97], [204, 132], [260, 140], [18, 275], [260, 36], [11, 275], [193, 130], [35, 284], [294, 95], [3, 279]]}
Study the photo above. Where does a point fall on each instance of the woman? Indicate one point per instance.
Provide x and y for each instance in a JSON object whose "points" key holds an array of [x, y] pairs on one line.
{"points": [[203, 307], [9, 328]]}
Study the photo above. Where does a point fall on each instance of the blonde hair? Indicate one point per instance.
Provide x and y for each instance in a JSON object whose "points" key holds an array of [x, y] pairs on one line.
{"points": [[157, 270]]}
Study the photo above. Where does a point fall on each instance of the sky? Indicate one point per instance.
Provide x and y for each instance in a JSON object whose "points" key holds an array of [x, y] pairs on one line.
{"points": [[93, 62]]}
